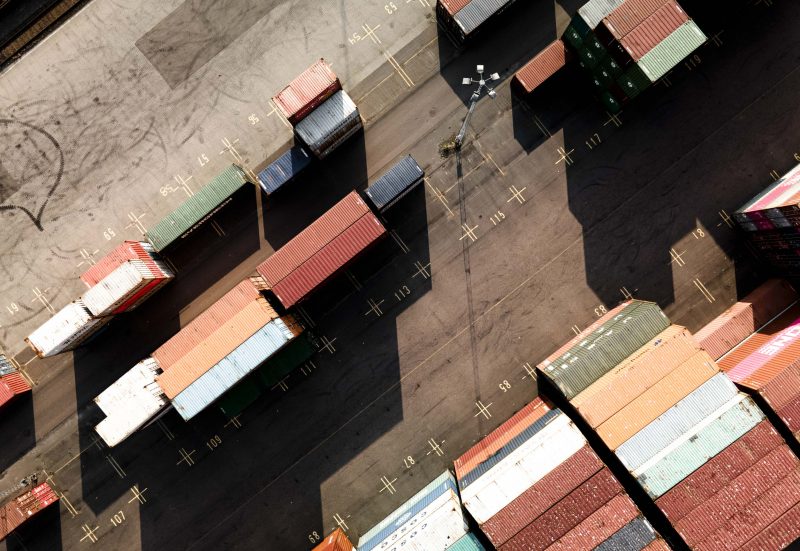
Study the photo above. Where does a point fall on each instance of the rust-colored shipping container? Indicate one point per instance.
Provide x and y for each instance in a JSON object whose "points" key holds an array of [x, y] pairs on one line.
{"points": [[566, 514], [756, 516], [635, 375], [554, 486], [710, 515], [717, 473], [335, 541], [207, 322], [125, 251], [452, 7], [599, 526], [327, 261], [306, 92], [312, 239], [499, 437], [544, 65], [778, 535], [630, 14], [790, 414], [657, 399], [658, 544], [662, 23], [782, 389], [216, 346]]}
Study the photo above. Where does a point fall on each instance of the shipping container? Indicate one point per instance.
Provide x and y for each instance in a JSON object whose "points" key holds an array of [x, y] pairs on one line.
{"points": [[720, 471], [566, 514], [543, 65], [130, 402], [20, 509], [125, 287], [395, 184], [451, 7], [127, 250], [330, 124], [629, 15], [335, 541], [594, 11], [790, 415], [658, 545], [477, 12], [284, 169], [67, 329], [693, 449], [676, 421], [534, 501], [329, 260], [467, 543], [603, 345], [196, 209], [306, 92], [633, 376], [313, 238], [440, 526], [777, 200], [653, 30], [220, 378], [672, 50], [599, 526], [657, 399], [778, 535], [635, 535], [11, 386]]}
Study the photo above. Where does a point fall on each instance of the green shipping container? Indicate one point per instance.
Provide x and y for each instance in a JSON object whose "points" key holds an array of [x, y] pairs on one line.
{"points": [[628, 86], [672, 50], [572, 38], [287, 359], [637, 77], [604, 77], [239, 397], [588, 360], [196, 208], [580, 26], [589, 59], [610, 103], [467, 543], [613, 67]]}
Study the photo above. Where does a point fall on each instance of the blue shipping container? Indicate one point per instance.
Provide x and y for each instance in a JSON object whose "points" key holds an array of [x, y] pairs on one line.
{"points": [[283, 169], [395, 184]]}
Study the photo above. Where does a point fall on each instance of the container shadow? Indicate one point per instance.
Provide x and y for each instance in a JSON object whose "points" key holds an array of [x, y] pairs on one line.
{"points": [[17, 427], [41, 533]]}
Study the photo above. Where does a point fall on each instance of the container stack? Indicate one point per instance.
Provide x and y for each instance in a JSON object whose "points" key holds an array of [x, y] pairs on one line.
{"points": [[544, 65], [463, 18], [12, 383], [321, 249], [395, 184], [14, 513], [335, 541], [283, 170], [432, 520], [534, 483], [126, 287], [66, 330], [322, 114]]}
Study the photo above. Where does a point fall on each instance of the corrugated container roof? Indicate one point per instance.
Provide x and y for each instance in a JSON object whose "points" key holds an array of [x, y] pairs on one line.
{"points": [[283, 169], [657, 399], [477, 12], [467, 543], [544, 65], [594, 11], [705, 519], [676, 421], [336, 541], [783, 388], [658, 545], [790, 414], [727, 330], [196, 208], [328, 260], [5, 393], [6, 367], [334, 113], [310, 86], [778, 535], [21, 508], [395, 183], [566, 514], [781, 193], [693, 449], [123, 284], [207, 322], [453, 6], [216, 346], [231, 369], [16, 383], [534, 501], [67, 328], [672, 50], [654, 29], [127, 250], [629, 14], [321, 232], [637, 534], [638, 372], [599, 526]]}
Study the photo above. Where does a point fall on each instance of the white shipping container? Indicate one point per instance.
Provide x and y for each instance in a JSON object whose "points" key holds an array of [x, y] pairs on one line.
{"points": [[122, 284], [594, 11], [65, 330], [528, 464], [130, 402], [330, 124]]}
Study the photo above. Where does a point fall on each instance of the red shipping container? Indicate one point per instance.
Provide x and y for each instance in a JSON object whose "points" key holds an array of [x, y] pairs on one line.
{"points": [[599, 526], [312, 239], [328, 260], [783, 389], [542, 66], [756, 480], [452, 7], [306, 92], [336, 541], [566, 514], [719, 471], [778, 535], [756, 516], [770, 299], [790, 414], [127, 250], [16, 383], [658, 545], [499, 437], [537, 499], [630, 14], [21, 508], [663, 22]]}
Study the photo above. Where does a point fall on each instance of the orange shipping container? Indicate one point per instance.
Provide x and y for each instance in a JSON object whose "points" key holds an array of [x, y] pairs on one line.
{"points": [[657, 399], [544, 65], [336, 541]]}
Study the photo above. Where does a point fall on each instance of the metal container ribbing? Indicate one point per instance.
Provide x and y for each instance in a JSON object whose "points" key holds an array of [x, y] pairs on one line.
{"points": [[594, 11], [335, 541], [451, 7], [467, 543], [778, 535], [196, 209], [477, 12], [543, 65], [782, 389], [693, 449], [283, 169], [654, 29], [635, 535], [125, 286], [329, 124], [672, 50], [127, 250], [397, 182], [790, 415], [438, 526], [630, 14], [658, 545], [307, 91], [6, 367], [599, 526], [68, 327], [677, 420]]}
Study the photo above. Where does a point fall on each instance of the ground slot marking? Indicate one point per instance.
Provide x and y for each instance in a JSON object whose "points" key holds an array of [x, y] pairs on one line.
{"points": [[542, 128], [136, 222], [702, 288], [725, 218], [340, 522], [40, 296], [276, 111], [423, 270], [529, 371], [233, 421], [138, 495], [186, 457], [282, 385], [775, 175], [615, 119], [627, 295], [469, 232], [165, 429], [230, 148], [308, 367], [576, 329], [399, 241], [483, 409], [90, 533], [116, 466], [516, 194], [374, 308], [439, 195], [716, 40], [677, 258], [665, 80], [565, 156], [183, 183], [87, 257], [71, 508], [327, 344], [306, 317], [388, 485], [435, 447], [370, 32], [353, 280], [400, 71]]}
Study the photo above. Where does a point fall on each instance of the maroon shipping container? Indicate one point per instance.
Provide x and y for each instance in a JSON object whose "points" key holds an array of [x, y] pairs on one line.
{"points": [[452, 7], [311, 240], [756, 516], [630, 14], [306, 92], [328, 260], [662, 23], [566, 514], [790, 414], [12, 385], [717, 473], [530, 505], [778, 535], [658, 545], [601, 525], [709, 516], [544, 65], [783, 389]]}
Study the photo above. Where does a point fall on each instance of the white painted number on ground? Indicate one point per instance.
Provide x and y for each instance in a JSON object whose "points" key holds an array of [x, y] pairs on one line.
{"points": [[698, 233], [202, 159], [390, 8], [505, 386], [254, 120], [314, 537], [409, 462], [13, 308], [402, 293], [497, 217], [214, 443], [118, 518], [692, 62], [600, 310], [109, 234]]}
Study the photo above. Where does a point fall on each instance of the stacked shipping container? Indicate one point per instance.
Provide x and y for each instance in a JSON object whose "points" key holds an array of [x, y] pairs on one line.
{"points": [[395, 184], [67, 329], [544, 65], [306, 92], [463, 18], [283, 170], [12, 383], [126, 287], [14, 513]]}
